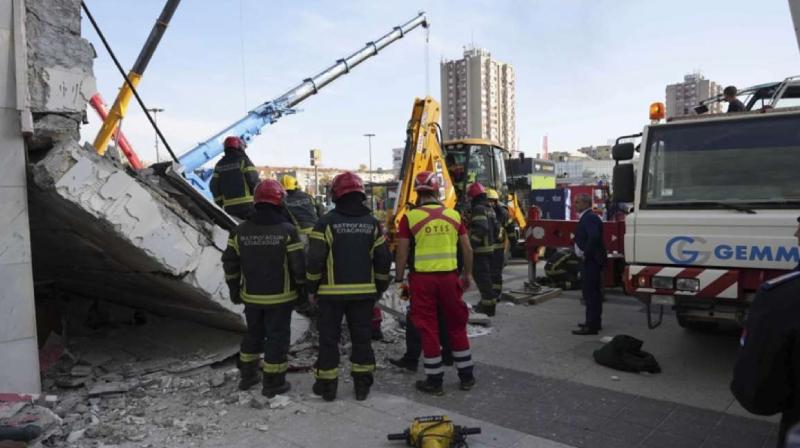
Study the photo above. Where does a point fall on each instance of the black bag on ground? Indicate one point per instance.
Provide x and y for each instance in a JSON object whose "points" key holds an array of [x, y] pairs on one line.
{"points": [[625, 353]]}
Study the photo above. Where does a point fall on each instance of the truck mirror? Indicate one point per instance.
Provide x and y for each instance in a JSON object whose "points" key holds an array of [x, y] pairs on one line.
{"points": [[622, 151], [624, 182]]}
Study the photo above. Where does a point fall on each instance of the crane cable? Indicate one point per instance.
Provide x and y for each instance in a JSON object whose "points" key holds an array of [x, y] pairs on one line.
{"points": [[241, 45], [127, 80], [427, 60]]}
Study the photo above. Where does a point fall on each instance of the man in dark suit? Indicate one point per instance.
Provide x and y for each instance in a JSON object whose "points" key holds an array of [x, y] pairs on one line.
{"points": [[589, 246]]}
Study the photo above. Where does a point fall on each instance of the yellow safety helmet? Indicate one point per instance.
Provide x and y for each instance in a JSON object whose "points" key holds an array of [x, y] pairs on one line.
{"points": [[491, 193], [289, 182]]}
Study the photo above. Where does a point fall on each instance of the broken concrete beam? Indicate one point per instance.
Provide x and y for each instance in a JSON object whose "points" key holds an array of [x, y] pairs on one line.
{"points": [[544, 296], [59, 59], [108, 389], [102, 233]]}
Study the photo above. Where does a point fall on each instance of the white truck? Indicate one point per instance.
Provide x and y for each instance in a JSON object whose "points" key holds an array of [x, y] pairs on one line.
{"points": [[716, 201]]}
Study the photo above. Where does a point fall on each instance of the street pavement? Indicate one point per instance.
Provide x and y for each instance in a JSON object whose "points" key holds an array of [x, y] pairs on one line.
{"points": [[538, 387]]}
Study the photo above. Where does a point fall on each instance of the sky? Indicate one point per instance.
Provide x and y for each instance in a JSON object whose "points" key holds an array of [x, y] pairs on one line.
{"points": [[586, 70]]}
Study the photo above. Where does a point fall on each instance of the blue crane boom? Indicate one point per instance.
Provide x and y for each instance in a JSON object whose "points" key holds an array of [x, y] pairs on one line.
{"points": [[267, 113]]}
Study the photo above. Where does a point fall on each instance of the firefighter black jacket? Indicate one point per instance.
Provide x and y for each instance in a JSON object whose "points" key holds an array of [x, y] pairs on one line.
{"points": [[348, 257], [264, 259], [766, 377]]}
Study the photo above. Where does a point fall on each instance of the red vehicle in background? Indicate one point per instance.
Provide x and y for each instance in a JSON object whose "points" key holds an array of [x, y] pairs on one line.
{"points": [[553, 234]]}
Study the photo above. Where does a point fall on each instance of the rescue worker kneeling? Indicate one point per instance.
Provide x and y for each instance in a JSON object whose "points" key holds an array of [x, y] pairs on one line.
{"points": [[265, 269], [348, 270]]}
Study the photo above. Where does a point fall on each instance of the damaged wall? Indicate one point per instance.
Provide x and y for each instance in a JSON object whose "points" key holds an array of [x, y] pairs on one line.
{"points": [[18, 348], [99, 231]]}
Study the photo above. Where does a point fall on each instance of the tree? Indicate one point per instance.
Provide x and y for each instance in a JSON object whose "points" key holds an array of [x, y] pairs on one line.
{"points": [[362, 167]]}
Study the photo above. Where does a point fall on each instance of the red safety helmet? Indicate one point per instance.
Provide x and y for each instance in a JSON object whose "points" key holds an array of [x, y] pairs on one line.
{"points": [[475, 190], [346, 182], [426, 181], [234, 142], [269, 191]]}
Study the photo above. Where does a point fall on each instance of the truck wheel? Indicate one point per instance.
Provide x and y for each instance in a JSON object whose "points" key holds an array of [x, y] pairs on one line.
{"points": [[700, 326]]}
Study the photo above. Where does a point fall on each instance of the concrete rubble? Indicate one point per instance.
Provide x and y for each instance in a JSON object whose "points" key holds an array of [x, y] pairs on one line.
{"points": [[100, 231], [165, 382]]}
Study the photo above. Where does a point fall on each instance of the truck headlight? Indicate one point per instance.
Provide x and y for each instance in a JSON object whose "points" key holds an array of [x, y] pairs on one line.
{"points": [[662, 283], [687, 284]]}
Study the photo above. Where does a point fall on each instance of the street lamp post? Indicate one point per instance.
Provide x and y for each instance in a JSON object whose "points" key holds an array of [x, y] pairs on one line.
{"points": [[155, 111], [371, 195]]}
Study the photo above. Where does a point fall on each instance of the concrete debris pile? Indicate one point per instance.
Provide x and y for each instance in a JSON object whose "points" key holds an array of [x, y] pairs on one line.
{"points": [[142, 380], [98, 230]]}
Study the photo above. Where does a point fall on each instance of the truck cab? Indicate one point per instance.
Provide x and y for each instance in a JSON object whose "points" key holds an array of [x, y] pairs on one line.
{"points": [[715, 206]]}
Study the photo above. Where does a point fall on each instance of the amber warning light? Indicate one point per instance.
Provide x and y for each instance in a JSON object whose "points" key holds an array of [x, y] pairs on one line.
{"points": [[657, 111]]}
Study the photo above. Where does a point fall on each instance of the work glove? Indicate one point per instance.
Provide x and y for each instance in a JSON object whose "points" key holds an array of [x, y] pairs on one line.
{"points": [[403, 290]]}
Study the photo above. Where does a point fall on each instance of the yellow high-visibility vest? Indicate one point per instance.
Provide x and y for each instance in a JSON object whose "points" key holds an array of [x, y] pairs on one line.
{"points": [[435, 231]]}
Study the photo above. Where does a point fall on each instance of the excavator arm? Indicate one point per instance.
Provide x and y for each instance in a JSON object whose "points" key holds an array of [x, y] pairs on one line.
{"points": [[423, 152]]}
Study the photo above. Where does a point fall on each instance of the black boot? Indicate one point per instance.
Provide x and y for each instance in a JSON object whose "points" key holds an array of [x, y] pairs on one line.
{"points": [[404, 363], [249, 374], [467, 380], [275, 384], [325, 389], [431, 385], [361, 383], [486, 307]]}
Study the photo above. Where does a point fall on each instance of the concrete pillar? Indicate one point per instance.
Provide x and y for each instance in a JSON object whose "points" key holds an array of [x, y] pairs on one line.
{"points": [[18, 345]]}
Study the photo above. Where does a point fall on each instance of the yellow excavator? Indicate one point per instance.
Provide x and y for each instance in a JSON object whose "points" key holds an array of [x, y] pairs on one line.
{"points": [[458, 163]]}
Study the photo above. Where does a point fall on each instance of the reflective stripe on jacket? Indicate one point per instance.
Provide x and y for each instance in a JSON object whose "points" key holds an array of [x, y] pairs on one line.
{"points": [[482, 228], [348, 257], [234, 180], [266, 261], [435, 231]]}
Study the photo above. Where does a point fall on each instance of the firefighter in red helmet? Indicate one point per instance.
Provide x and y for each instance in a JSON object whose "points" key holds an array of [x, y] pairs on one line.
{"points": [[265, 269], [483, 229], [431, 235], [348, 271], [234, 180]]}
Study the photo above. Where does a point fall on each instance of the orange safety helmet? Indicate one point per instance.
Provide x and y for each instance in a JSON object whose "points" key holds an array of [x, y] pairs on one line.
{"points": [[426, 181], [475, 190], [269, 191], [347, 182]]}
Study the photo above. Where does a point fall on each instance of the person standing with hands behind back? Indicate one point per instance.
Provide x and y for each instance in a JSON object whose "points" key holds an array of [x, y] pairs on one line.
{"points": [[589, 245]]}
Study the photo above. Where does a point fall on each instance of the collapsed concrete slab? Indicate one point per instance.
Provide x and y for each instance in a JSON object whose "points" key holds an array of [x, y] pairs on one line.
{"points": [[104, 233], [98, 230]]}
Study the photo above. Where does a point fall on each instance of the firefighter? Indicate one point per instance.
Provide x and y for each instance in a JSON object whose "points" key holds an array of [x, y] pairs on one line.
{"points": [[348, 270], [301, 206], [434, 233], [504, 223], [482, 234], [265, 269], [766, 376], [234, 180]]}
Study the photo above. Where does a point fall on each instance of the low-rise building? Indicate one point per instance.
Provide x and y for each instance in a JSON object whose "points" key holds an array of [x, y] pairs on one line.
{"points": [[316, 184]]}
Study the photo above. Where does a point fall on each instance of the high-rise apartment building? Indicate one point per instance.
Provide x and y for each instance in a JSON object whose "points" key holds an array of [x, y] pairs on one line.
{"points": [[684, 96], [478, 99]]}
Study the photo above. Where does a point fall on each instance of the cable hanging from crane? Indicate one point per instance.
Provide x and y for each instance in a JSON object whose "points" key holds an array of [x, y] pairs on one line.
{"points": [[127, 80]]}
